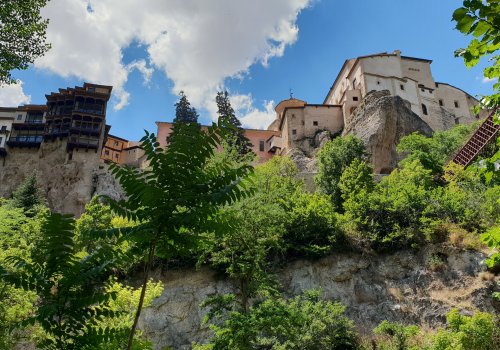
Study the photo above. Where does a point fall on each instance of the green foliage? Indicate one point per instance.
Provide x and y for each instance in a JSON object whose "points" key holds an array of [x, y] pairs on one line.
{"points": [[184, 113], [22, 35], [237, 141], [28, 195], [333, 159], [397, 336], [356, 178], [303, 322], [475, 332], [311, 225], [391, 215], [179, 197], [433, 152], [70, 287], [479, 18]]}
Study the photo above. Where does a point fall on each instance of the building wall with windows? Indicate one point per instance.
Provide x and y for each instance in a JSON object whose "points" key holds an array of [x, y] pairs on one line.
{"points": [[408, 77]]}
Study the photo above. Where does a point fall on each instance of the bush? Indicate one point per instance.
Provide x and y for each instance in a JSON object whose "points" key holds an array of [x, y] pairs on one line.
{"points": [[303, 322], [395, 336], [333, 159], [475, 332]]}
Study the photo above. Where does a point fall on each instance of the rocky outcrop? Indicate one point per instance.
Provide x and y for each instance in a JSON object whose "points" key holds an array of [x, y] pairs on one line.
{"points": [[66, 182], [381, 120], [399, 287]]}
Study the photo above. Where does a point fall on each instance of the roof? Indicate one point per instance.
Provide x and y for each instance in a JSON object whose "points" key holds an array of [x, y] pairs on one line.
{"points": [[303, 107], [8, 109], [116, 137]]}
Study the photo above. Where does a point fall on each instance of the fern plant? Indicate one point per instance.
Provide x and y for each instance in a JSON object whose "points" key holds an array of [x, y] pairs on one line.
{"points": [[70, 288], [180, 195]]}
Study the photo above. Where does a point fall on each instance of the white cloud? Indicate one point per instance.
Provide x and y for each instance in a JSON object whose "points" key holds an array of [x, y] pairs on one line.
{"points": [[13, 95], [196, 43], [486, 80], [253, 117]]}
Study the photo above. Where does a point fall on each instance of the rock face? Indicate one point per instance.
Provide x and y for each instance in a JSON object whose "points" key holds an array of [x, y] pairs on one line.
{"points": [[399, 287], [380, 121], [67, 183]]}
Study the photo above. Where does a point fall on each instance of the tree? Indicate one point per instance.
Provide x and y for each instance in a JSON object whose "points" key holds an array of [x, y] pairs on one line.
{"points": [[333, 158], [179, 196], [22, 35], [433, 152], [304, 322], [28, 195], [237, 139], [184, 113], [70, 287]]}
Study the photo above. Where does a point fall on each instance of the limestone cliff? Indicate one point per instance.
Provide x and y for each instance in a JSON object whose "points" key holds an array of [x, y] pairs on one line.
{"points": [[381, 120], [67, 183], [399, 287]]}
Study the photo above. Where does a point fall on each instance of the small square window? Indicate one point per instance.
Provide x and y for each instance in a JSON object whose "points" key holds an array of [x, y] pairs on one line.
{"points": [[355, 98], [117, 155], [106, 152], [19, 116], [303, 123], [315, 123], [402, 87], [423, 90], [116, 143], [378, 82], [441, 103], [261, 145], [456, 104], [294, 131]]}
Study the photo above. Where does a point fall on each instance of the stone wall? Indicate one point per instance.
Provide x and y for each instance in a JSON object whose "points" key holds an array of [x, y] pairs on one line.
{"points": [[398, 287]]}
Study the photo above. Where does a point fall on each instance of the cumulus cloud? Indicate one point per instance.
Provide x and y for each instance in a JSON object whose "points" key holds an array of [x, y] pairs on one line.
{"points": [[13, 95], [197, 44]]}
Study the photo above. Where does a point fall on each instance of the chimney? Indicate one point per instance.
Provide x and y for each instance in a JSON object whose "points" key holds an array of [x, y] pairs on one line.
{"points": [[397, 52]]}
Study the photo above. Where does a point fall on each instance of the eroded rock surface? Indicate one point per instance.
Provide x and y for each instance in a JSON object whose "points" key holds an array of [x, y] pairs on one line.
{"points": [[381, 120], [398, 287]]}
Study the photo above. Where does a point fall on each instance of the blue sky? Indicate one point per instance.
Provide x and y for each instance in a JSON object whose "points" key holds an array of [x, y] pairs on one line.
{"points": [[329, 31]]}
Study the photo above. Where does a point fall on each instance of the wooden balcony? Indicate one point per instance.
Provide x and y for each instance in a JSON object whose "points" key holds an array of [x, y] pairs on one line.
{"points": [[25, 141], [82, 142]]}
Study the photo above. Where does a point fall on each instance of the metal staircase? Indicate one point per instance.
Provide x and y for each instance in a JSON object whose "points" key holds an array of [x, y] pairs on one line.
{"points": [[482, 137]]}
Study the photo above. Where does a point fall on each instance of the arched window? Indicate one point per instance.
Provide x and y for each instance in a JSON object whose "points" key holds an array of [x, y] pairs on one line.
{"points": [[424, 109]]}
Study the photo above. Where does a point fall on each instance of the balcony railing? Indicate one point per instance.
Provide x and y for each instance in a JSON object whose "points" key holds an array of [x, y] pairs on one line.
{"points": [[92, 109], [85, 129], [34, 120], [25, 141], [82, 142]]}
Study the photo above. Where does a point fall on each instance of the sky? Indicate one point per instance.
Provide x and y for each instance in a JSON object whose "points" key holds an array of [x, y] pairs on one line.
{"points": [[258, 50]]}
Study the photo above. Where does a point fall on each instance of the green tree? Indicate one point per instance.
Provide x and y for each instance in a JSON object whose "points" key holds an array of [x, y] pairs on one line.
{"points": [[433, 152], [476, 332], [28, 195], [22, 35], [184, 112], [399, 337], [179, 196], [70, 287], [357, 177], [304, 322], [333, 159], [237, 140]]}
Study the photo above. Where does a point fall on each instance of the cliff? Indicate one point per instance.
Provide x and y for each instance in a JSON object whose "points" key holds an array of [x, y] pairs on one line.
{"points": [[399, 287], [381, 120]]}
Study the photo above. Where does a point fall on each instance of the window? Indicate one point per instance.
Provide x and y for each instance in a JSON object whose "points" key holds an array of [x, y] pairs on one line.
{"points": [[378, 82], [315, 123], [355, 98], [4, 127], [441, 103], [423, 90], [354, 84], [456, 104], [19, 116], [402, 87], [457, 120], [294, 131], [303, 123], [116, 143], [261, 145], [0, 140], [106, 153], [116, 155], [424, 109], [91, 89]]}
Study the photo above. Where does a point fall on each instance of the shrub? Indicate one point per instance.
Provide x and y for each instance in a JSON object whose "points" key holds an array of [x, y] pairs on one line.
{"points": [[333, 159], [395, 336], [304, 322]]}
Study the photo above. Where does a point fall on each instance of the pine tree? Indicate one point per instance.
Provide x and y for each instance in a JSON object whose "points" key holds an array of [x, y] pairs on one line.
{"points": [[28, 195], [237, 140], [184, 113]]}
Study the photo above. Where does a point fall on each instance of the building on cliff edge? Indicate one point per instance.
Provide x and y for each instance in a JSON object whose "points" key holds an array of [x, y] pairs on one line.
{"points": [[440, 105]]}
